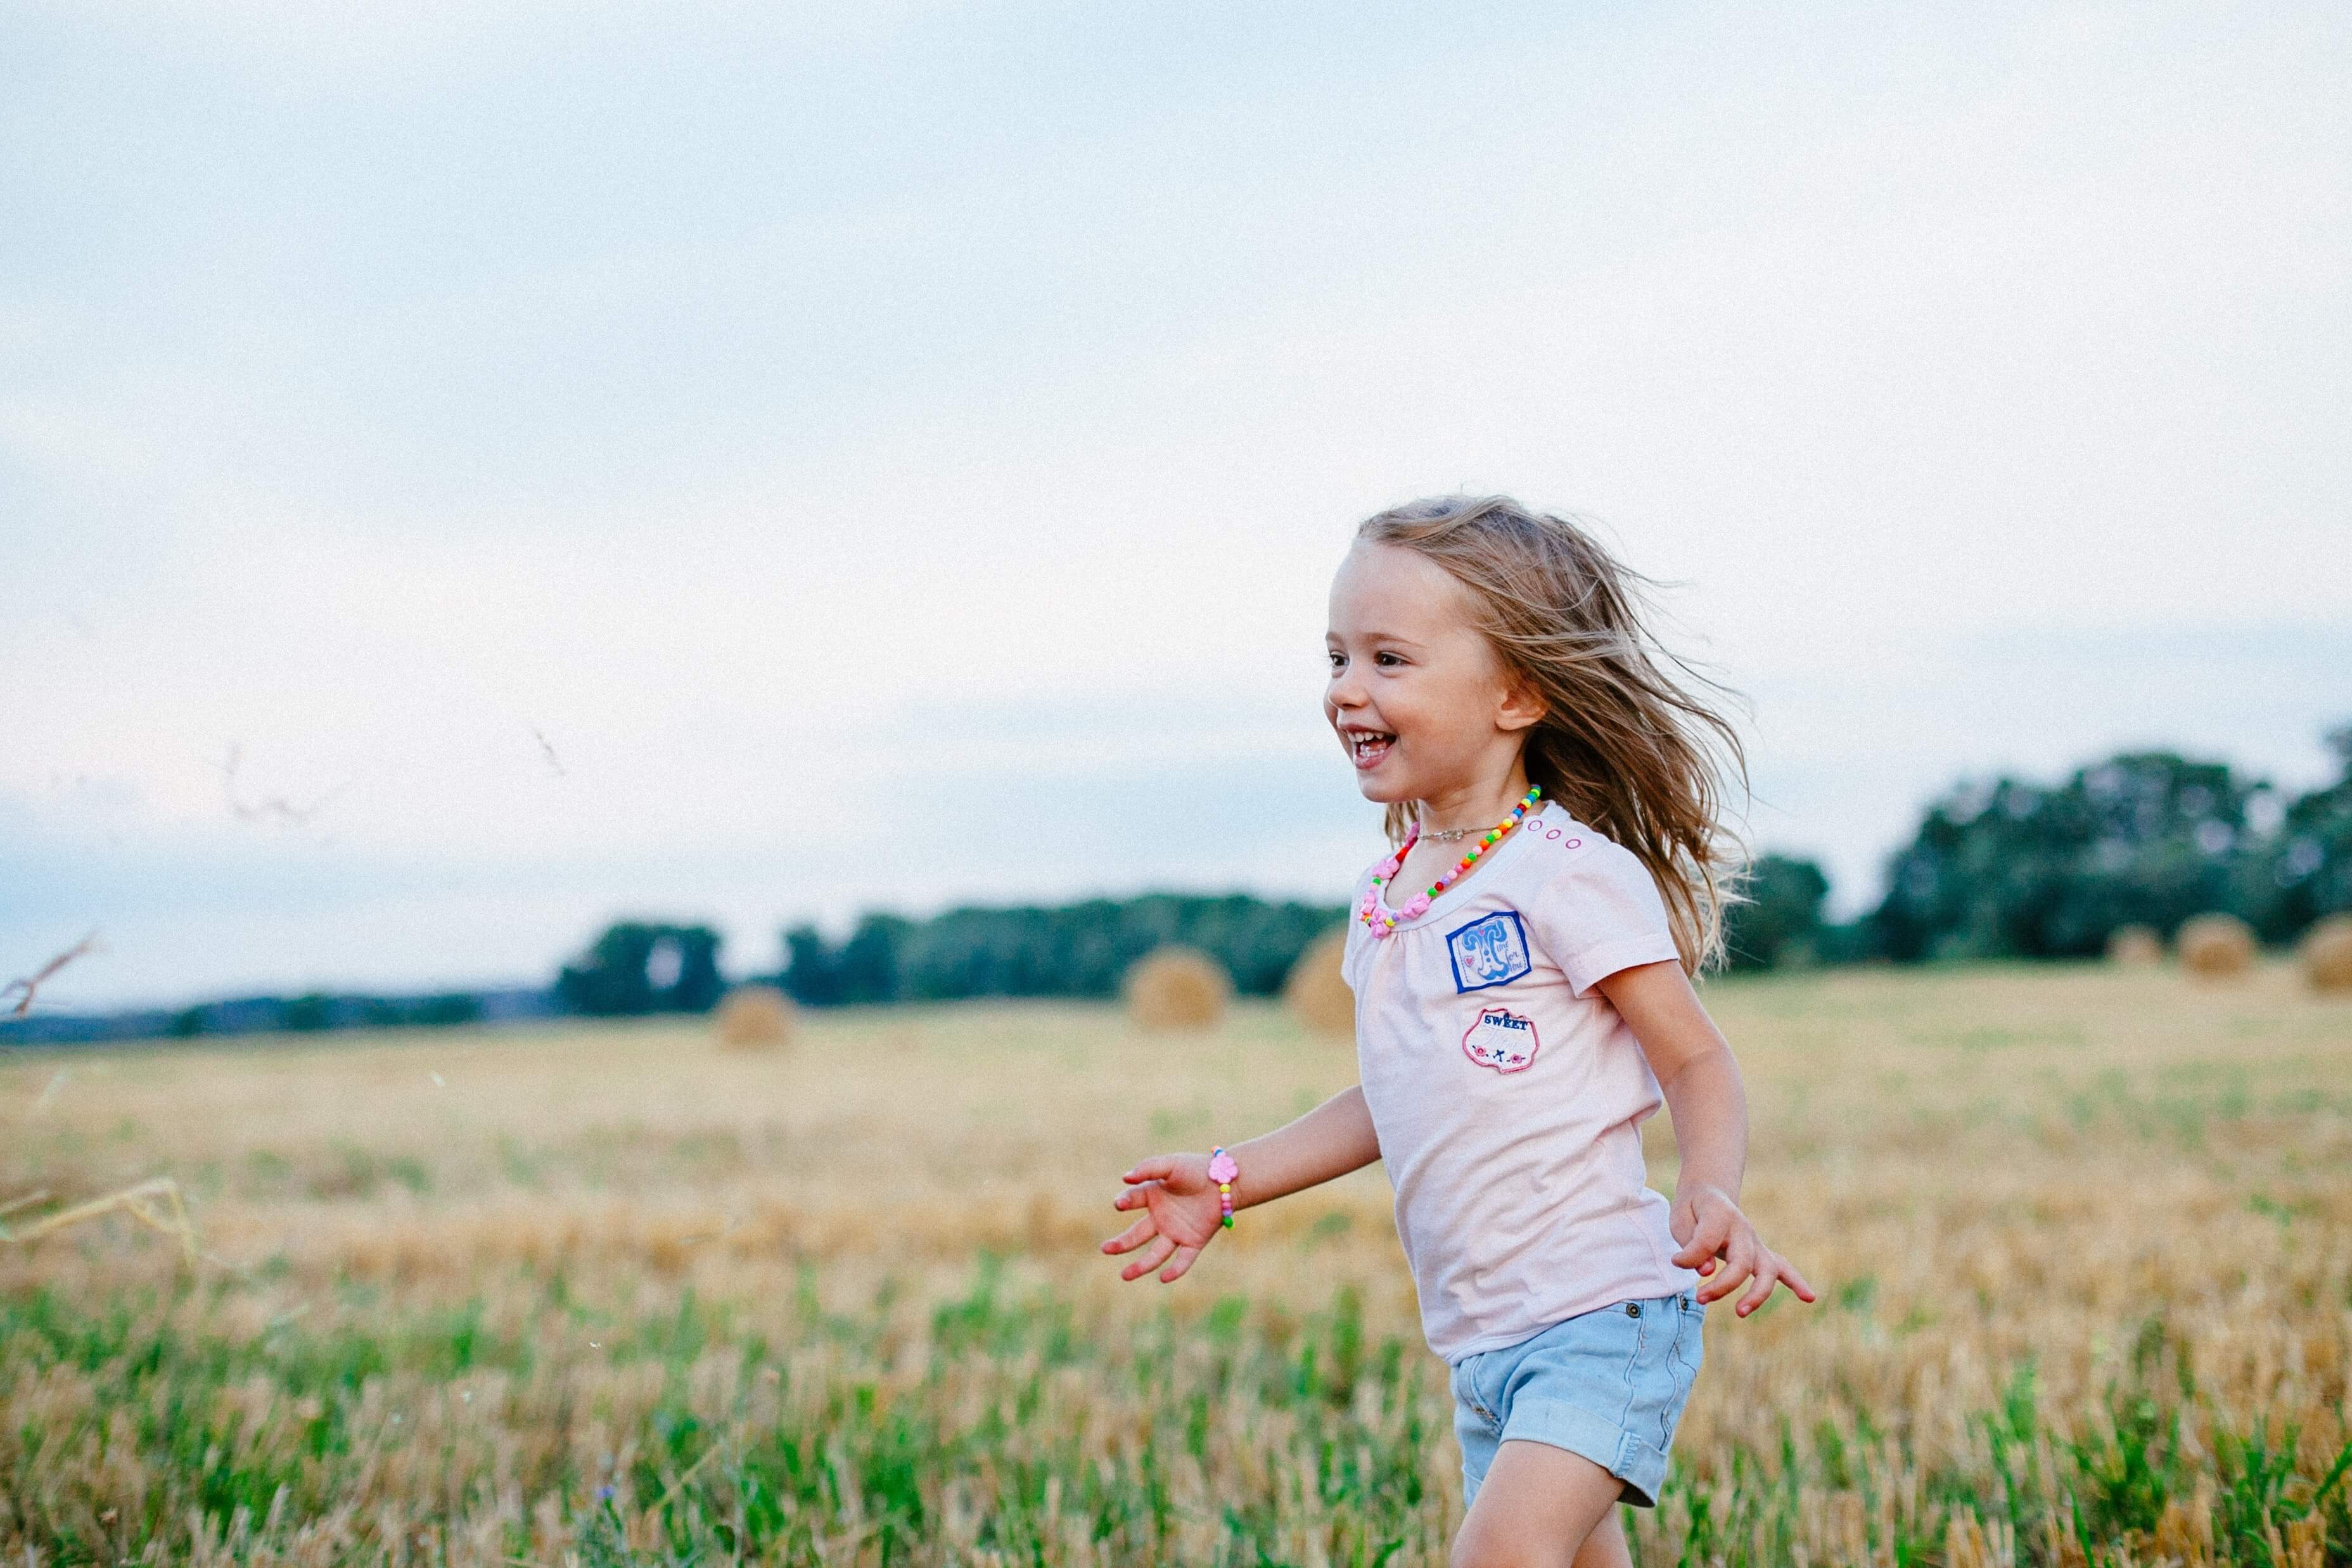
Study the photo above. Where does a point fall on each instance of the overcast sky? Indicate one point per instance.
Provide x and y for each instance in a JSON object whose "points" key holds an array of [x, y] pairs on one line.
{"points": [[758, 464]]}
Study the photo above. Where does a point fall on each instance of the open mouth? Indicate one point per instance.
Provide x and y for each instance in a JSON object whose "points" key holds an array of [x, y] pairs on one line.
{"points": [[1367, 747]]}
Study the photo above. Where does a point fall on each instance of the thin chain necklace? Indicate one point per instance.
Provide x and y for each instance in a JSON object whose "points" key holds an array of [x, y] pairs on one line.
{"points": [[1382, 919], [1447, 835]]}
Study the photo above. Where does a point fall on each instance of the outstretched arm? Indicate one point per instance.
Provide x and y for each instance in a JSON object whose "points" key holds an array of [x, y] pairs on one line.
{"points": [[1703, 1091], [1182, 1213]]}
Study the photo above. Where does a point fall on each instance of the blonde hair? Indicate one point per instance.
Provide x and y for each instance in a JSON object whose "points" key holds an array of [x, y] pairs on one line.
{"points": [[1622, 744]]}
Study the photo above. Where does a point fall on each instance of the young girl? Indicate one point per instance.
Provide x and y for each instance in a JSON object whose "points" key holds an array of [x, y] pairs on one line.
{"points": [[1521, 967]]}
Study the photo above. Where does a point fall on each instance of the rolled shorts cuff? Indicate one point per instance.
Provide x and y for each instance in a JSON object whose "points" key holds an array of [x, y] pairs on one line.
{"points": [[1640, 1465]]}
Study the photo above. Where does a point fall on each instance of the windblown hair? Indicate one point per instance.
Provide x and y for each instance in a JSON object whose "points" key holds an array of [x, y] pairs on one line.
{"points": [[1623, 744]]}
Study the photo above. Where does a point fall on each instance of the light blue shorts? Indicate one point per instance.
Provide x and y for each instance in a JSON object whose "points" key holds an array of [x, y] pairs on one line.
{"points": [[1608, 1383]]}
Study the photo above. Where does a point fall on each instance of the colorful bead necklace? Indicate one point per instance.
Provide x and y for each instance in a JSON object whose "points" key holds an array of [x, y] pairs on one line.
{"points": [[1376, 913]]}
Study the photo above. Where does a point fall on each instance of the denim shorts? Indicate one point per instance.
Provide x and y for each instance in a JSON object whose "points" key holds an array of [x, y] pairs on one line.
{"points": [[1608, 1383]]}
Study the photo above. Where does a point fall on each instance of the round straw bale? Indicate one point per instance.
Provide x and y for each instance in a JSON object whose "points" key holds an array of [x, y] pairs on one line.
{"points": [[754, 1018], [1177, 988], [2326, 950], [2134, 947], [2215, 946], [1317, 996]]}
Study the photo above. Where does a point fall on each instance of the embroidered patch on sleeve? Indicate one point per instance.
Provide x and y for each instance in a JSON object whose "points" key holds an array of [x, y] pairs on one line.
{"points": [[1488, 951], [1502, 1039]]}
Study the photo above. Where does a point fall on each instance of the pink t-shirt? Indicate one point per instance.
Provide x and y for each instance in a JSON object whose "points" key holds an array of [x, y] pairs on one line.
{"points": [[1508, 1094]]}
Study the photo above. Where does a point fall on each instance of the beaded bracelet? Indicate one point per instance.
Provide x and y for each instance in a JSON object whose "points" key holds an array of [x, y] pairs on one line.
{"points": [[1222, 1170]]}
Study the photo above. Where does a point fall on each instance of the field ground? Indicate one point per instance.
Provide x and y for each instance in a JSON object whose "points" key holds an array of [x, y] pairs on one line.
{"points": [[605, 1294]]}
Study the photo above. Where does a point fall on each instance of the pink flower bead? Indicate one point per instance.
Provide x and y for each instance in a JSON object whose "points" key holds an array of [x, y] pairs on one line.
{"points": [[1222, 1167]]}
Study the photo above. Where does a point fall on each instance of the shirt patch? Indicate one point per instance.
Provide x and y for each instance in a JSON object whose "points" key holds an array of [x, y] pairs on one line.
{"points": [[1502, 1039], [1489, 951]]}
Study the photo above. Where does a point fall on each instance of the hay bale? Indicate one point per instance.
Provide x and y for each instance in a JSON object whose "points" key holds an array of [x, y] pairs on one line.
{"points": [[2215, 946], [1177, 988], [1315, 994], [2326, 953], [2134, 947], [754, 1018]]}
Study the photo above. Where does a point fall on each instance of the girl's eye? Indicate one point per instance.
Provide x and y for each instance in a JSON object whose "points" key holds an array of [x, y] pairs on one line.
{"points": [[1386, 655]]}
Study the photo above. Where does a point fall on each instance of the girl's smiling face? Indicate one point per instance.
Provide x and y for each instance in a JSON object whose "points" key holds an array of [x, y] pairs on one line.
{"points": [[1418, 698]]}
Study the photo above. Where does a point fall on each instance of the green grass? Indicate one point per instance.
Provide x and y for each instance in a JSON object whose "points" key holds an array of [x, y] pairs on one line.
{"points": [[876, 1442]]}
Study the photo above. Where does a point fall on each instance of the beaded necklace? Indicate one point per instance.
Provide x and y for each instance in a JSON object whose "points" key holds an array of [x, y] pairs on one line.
{"points": [[1382, 920]]}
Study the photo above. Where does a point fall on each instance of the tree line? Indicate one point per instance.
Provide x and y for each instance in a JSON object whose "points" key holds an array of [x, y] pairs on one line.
{"points": [[2005, 868], [2024, 870], [1066, 950], [2020, 868]]}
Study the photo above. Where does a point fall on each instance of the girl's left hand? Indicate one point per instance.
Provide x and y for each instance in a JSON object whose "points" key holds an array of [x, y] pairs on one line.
{"points": [[1718, 1241], [1183, 1215]]}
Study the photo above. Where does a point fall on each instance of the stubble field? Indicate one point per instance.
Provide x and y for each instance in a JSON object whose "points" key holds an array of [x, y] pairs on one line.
{"points": [[609, 1294]]}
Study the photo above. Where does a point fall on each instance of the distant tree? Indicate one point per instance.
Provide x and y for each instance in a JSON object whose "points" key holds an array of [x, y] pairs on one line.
{"points": [[866, 968], [1848, 942], [2015, 869], [811, 973], [1781, 922], [1017, 952], [636, 968], [442, 1012], [308, 1013], [2305, 871]]}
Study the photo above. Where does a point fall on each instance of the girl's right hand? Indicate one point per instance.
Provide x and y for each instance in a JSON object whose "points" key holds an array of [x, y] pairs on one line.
{"points": [[1183, 1215]]}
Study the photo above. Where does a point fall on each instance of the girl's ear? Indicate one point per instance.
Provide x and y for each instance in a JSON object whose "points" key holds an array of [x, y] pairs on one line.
{"points": [[1521, 706]]}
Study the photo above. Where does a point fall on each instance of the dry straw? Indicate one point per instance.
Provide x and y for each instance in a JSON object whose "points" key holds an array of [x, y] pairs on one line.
{"points": [[154, 1203], [2215, 946], [1317, 994], [2326, 951], [2134, 947], [1177, 988], [754, 1018], [31, 983]]}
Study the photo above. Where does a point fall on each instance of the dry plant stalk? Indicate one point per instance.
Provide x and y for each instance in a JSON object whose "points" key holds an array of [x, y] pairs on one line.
{"points": [[32, 984], [277, 806], [154, 1203]]}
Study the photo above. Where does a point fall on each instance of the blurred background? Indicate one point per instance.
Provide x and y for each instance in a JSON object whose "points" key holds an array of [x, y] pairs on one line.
{"points": [[469, 477]]}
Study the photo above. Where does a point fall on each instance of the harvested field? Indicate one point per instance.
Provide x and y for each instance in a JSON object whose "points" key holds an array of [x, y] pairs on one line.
{"points": [[2084, 1235]]}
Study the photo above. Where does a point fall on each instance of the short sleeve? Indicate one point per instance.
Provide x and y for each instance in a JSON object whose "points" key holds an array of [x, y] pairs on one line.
{"points": [[1599, 912]]}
